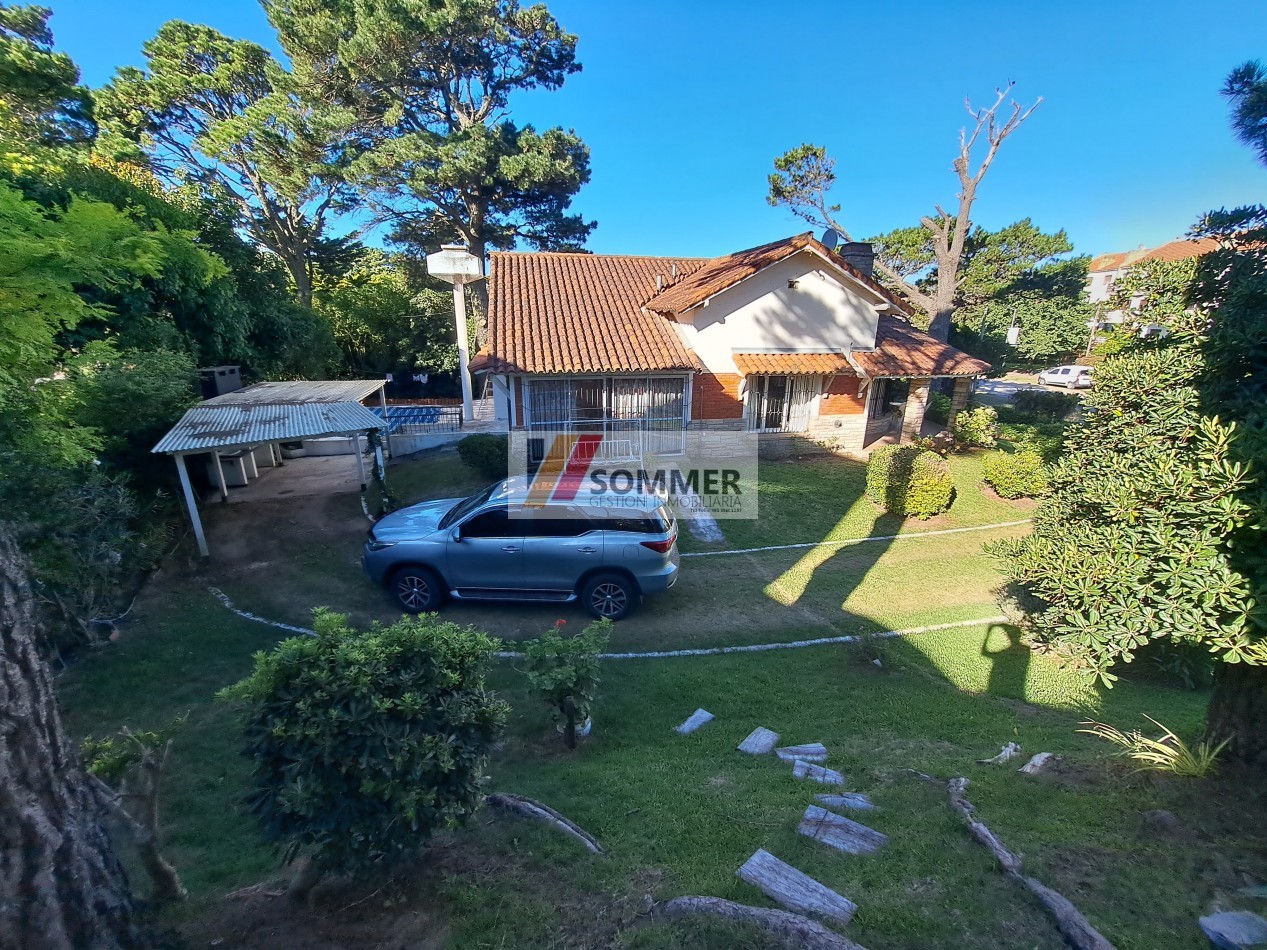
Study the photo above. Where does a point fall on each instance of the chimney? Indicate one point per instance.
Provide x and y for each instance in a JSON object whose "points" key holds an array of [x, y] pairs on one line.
{"points": [[859, 255]]}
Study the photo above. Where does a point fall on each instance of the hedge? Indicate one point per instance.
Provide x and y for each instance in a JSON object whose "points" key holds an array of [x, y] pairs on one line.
{"points": [[1022, 475], [487, 454], [907, 480]]}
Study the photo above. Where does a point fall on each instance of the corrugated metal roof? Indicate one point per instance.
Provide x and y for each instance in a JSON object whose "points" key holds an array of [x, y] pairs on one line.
{"points": [[207, 427], [298, 391]]}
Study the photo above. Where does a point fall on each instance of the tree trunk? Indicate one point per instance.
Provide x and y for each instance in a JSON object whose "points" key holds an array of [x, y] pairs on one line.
{"points": [[297, 265], [1238, 709], [61, 885], [939, 325]]}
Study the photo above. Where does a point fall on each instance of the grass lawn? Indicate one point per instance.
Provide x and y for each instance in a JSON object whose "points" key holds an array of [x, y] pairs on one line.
{"points": [[679, 814]]}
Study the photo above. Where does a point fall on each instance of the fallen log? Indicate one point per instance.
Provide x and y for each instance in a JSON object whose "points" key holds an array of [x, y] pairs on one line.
{"points": [[1077, 930], [824, 776], [760, 741], [793, 889], [1036, 764], [840, 833], [544, 813], [694, 721], [807, 933], [808, 752], [1006, 754]]}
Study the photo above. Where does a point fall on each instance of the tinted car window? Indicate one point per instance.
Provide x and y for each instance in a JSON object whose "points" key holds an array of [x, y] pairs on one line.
{"points": [[494, 523], [466, 506], [552, 521], [637, 522]]}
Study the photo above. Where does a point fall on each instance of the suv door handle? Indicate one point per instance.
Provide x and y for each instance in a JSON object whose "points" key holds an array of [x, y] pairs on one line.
{"points": [[510, 549], [587, 550]]}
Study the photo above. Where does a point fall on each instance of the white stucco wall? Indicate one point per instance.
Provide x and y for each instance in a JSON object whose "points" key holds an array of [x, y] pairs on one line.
{"points": [[764, 313]]}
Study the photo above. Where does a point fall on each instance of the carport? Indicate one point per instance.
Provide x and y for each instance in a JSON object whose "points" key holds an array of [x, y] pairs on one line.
{"points": [[263, 416]]}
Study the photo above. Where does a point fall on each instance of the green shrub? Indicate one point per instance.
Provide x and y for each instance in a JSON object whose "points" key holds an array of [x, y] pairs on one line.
{"points": [[564, 672], [1044, 406], [1019, 475], [938, 408], [487, 454], [365, 741], [978, 427], [908, 480]]}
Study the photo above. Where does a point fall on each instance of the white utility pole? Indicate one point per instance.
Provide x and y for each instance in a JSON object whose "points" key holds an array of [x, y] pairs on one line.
{"points": [[454, 263]]}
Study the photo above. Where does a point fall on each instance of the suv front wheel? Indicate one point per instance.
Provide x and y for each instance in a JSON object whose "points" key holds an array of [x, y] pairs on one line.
{"points": [[609, 596], [417, 589]]}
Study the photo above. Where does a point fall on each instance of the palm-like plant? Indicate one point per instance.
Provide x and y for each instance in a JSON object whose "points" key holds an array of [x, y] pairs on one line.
{"points": [[1166, 754]]}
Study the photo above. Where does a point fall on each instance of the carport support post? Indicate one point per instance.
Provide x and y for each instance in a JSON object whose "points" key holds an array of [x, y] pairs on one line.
{"points": [[220, 482], [387, 430], [360, 459], [192, 504]]}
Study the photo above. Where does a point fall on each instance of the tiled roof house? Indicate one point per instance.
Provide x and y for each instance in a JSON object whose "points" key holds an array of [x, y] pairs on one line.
{"points": [[789, 337]]}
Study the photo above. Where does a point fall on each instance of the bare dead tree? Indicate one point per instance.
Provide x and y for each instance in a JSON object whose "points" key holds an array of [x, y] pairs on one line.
{"points": [[61, 885], [804, 187], [135, 805]]}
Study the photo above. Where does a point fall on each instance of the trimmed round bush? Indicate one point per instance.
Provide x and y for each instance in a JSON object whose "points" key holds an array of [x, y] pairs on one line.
{"points": [[910, 481], [1019, 475], [487, 454]]}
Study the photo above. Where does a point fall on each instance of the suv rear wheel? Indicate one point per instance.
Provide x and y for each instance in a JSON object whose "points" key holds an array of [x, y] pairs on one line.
{"points": [[417, 589], [609, 596]]}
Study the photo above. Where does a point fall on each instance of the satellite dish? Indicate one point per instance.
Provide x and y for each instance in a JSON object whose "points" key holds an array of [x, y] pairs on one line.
{"points": [[830, 238]]}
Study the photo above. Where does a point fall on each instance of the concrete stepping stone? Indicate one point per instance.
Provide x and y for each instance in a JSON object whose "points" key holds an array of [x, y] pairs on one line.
{"points": [[809, 752], [1036, 764], [694, 721], [760, 741], [1235, 929], [1006, 754], [840, 833], [824, 776], [854, 800], [793, 889]]}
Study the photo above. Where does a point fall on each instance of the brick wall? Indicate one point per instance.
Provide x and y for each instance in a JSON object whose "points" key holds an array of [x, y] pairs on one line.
{"points": [[716, 396], [841, 397]]}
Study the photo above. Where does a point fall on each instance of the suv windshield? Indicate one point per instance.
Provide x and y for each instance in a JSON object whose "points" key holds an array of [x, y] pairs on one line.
{"points": [[467, 505]]}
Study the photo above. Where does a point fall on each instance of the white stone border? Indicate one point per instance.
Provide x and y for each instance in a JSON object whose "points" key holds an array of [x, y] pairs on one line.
{"points": [[661, 654]]}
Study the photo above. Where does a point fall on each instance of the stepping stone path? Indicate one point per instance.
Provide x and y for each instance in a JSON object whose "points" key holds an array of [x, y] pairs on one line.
{"points": [[1235, 929], [793, 889], [854, 800], [810, 752], [760, 741], [694, 721], [824, 776], [840, 833]]}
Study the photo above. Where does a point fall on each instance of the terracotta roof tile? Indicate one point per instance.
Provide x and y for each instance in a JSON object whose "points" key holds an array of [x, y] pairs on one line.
{"points": [[1171, 251], [901, 350], [793, 364], [580, 313], [722, 272]]}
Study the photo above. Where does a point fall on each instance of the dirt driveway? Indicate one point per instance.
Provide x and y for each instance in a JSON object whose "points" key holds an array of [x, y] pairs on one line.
{"points": [[281, 558]]}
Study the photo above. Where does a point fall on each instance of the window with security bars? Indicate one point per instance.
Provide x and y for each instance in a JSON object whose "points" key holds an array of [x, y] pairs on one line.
{"points": [[780, 403], [647, 412]]}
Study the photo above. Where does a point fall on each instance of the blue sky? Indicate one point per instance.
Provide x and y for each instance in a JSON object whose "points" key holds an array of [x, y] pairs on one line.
{"points": [[685, 104]]}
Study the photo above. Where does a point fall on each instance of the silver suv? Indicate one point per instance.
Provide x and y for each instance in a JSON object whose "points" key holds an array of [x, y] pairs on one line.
{"points": [[607, 550]]}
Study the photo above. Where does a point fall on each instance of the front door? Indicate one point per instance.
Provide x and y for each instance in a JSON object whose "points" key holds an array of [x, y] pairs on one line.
{"points": [[489, 552]]}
